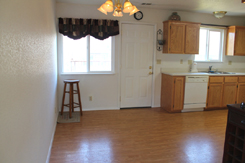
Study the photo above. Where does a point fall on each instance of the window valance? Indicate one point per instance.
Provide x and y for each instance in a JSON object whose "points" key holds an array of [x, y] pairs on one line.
{"points": [[78, 28]]}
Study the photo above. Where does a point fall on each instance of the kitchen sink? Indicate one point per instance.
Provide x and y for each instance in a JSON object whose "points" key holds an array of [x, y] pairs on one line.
{"points": [[220, 72]]}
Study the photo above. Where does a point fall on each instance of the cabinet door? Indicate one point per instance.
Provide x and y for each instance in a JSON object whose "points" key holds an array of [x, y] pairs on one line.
{"points": [[215, 95], [229, 94], [177, 38], [230, 41], [241, 93], [178, 95], [192, 38], [239, 41]]}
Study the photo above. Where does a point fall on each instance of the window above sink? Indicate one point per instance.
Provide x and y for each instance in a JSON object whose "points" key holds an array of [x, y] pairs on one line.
{"points": [[211, 44]]}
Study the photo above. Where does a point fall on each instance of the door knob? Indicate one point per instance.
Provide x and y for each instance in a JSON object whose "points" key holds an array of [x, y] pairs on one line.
{"points": [[150, 73]]}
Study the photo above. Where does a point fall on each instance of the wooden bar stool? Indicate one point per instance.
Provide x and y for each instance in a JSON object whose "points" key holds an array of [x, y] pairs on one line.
{"points": [[71, 92]]}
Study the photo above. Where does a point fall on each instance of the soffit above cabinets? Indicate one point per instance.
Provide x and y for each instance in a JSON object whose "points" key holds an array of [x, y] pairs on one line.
{"points": [[233, 7]]}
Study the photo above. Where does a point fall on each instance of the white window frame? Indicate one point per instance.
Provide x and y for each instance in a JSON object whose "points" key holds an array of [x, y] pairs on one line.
{"points": [[222, 47], [88, 59]]}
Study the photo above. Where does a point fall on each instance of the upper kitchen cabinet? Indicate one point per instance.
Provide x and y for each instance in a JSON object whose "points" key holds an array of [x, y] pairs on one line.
{"points": [[181, 37], [235, 41]]}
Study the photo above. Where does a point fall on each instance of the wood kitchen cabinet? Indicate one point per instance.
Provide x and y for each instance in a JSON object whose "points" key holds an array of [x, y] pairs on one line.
{"points": [[215, 91], [241, 93], [230, 91], [181, 37], [241, 90], [235, 41], [229, 95], [224, 90], [172, 93]]}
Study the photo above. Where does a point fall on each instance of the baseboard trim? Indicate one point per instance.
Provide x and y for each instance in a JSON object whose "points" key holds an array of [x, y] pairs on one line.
{"points": [[51, 142], [97, 109], [156, 106]]}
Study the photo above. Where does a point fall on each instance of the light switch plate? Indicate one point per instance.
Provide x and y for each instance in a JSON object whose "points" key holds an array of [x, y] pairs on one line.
{"points": [[230, 63], [159, 61], [189, 62], [181, 61]]}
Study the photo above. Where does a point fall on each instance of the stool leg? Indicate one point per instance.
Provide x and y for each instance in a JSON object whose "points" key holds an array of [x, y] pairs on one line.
{"points": [[72, 97], [70, 100], [63, 100], [79, 99]]}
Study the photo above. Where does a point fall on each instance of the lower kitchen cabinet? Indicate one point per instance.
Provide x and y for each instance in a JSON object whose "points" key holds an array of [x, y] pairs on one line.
{"points": [[230, 93], [241, 93], [178, 96], [172, 93], [224, 90], [215, 92]]}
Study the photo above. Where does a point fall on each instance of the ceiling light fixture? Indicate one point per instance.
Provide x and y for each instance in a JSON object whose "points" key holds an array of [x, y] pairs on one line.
{"points": [[119, 8], [219, 14], [243, 1]]}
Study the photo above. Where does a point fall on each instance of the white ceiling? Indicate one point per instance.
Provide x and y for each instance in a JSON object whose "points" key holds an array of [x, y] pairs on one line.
{"points": [[233, 7]]}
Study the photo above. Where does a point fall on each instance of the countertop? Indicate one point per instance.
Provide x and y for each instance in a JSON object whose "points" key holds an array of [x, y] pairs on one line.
{"points": [[181, 72]]}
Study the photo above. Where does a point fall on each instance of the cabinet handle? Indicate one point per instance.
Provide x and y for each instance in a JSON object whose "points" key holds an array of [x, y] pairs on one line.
{"points": [[243, 122]]}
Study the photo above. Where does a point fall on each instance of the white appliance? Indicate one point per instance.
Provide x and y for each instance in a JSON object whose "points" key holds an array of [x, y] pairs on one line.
{"points": [[195, 93], [194, 67]]}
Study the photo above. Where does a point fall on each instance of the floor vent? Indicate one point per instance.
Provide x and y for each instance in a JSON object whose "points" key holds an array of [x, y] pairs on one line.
{"points": [[146, 4]]}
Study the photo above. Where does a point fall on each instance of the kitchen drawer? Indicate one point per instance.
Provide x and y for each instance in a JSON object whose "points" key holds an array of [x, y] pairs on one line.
{"points": [[216, 79], [231, 79], [241, 79], [238, 119]]}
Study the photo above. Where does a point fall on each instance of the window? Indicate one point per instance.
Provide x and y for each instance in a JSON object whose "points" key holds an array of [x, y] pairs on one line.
{"points": [[211, 44], [87, 55]]}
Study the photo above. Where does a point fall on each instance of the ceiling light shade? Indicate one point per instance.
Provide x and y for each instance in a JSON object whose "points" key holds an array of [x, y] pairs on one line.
{"points": [[127, 4], [108, 6], [118, 12], [102, 10], [134, 10], [243, 1], [128, 7], [219, 14], [115, 13]]}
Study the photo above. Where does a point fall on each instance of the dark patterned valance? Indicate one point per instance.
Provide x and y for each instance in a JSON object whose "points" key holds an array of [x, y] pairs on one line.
{"points": [[78, 28]]}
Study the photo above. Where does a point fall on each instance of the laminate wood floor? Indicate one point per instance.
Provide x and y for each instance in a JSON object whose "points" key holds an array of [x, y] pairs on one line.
{"points": [[141, 136]]}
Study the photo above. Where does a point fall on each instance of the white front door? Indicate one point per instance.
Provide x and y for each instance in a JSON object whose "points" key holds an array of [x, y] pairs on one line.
{"points": [[136, 65]]}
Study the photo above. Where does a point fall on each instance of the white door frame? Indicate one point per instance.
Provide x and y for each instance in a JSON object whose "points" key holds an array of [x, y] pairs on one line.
{"points": [[120, 59]]}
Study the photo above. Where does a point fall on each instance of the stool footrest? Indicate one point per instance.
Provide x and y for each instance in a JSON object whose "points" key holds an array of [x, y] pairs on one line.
{"points": [[68, 105], [76, 106], [74, 92]]}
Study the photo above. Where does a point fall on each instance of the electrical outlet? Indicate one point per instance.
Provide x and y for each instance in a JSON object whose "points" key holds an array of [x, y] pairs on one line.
{"points": [[90, 98], [159, 61], [230, 63], [189, 62], [181, 61]]}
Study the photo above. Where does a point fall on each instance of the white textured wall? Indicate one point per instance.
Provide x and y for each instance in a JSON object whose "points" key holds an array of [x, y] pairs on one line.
{"points": [[28, 79], [105, 88]]}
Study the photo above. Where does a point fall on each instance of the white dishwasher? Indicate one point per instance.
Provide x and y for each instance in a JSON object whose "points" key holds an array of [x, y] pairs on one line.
{"points": [[195, 93]]}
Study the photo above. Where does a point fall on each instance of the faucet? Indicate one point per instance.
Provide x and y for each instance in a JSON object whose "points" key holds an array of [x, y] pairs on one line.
{"points": [[210, 68]]}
